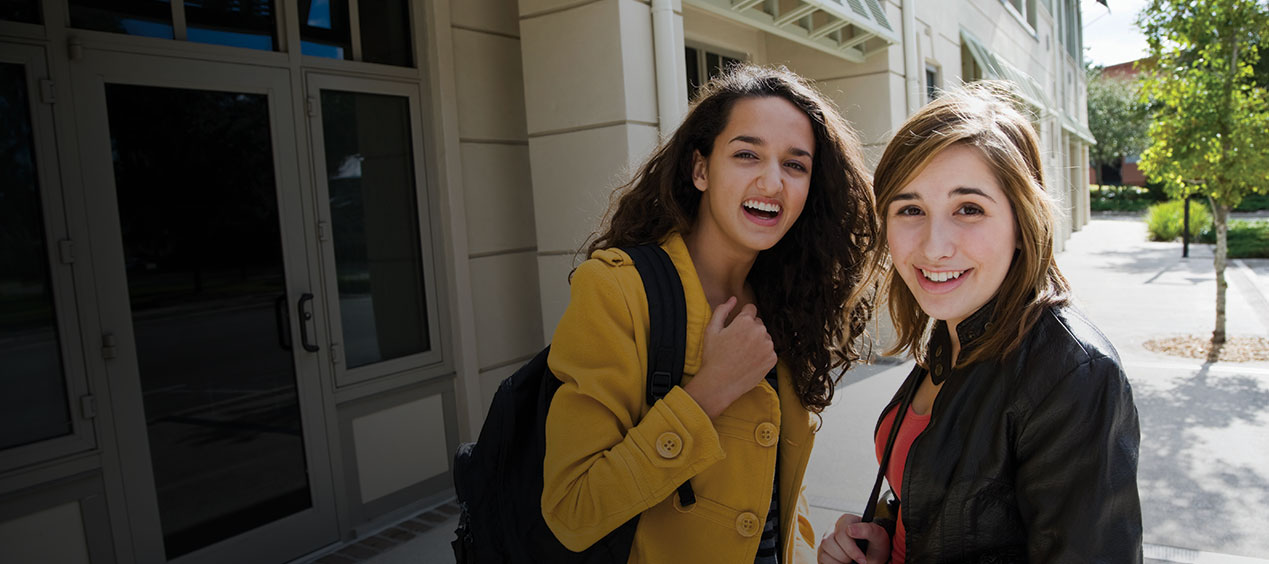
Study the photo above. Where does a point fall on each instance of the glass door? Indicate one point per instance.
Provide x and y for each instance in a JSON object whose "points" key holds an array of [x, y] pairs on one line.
{"points": [[43, 386], [209, 306]]}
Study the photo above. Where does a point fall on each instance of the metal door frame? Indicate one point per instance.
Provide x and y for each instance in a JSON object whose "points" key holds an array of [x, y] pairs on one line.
{"points": [[130, 464]]}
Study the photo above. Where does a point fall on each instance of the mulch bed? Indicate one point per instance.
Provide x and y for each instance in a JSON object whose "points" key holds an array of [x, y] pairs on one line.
{"points": [[1235, 349]]}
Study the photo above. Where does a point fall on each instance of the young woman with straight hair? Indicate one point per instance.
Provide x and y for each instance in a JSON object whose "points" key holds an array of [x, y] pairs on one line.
{"points": [[1018, 435]]}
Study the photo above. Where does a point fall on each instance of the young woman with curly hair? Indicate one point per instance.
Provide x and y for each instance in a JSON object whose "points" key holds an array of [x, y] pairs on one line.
{"points": [[1017, 437], [763, 204]]}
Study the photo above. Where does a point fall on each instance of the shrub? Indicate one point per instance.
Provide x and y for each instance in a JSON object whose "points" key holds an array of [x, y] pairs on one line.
{"points": [[1119, 198], [1164, 221], [1253, 202]]}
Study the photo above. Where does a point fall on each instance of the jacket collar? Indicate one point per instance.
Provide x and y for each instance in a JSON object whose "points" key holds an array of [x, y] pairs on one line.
{"points": [[698, 311], [939, 349]]}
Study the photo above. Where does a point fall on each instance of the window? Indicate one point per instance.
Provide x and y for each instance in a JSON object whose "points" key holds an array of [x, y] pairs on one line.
{"points": [[150, 18], [932, 83], [250, 24], [704, 63], [382, 35], [381, 267], [1073, 36], [384, 30], [27, 11], [970, 69], [1025, 9]]}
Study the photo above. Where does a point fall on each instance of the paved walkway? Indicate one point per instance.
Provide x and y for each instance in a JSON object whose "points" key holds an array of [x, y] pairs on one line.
{"points": [[1204, 468]]}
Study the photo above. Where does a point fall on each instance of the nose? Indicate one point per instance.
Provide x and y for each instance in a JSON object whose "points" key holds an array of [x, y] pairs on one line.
{"points": [[770, 180], [940, 240]]}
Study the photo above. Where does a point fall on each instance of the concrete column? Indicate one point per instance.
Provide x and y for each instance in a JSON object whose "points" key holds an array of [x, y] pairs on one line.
{"points": [[591, 107]]}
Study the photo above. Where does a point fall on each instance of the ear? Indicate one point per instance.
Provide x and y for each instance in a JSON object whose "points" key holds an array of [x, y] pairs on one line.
{"points": [[700, 172]]}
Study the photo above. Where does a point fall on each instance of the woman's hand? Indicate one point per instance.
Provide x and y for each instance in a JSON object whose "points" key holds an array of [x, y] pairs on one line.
{"points": [[736, 357], [841, 545]]}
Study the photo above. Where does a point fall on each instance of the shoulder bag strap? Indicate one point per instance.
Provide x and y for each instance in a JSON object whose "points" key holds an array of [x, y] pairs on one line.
{"points": [[870, 510]]}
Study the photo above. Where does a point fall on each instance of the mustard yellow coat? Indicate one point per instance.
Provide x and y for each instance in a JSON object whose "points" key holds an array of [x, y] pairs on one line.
{"points": [[609, 456]]}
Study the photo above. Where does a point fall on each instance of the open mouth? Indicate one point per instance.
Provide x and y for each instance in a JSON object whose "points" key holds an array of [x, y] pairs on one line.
{"points": [[942, 276], [762, 210]]}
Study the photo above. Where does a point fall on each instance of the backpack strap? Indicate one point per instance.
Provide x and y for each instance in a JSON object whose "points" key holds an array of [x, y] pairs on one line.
{"points": [[667, 310], [667, 339]]}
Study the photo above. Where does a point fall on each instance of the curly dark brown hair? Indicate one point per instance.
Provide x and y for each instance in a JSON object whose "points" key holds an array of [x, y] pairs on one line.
{"points": [[815, 286]]}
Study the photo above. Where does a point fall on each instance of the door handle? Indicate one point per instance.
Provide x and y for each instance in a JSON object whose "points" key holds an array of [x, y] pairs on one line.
{"points": [[305, 317], [283, 322]]}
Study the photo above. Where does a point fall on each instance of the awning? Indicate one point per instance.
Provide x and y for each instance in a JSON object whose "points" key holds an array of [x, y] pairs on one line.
{"points": [[850, 29], [999, 69], [1078, 129], [1029, 88]]}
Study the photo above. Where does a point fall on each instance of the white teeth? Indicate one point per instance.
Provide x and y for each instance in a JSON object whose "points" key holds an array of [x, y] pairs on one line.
{"points": [[762, 206], [942, 276]]}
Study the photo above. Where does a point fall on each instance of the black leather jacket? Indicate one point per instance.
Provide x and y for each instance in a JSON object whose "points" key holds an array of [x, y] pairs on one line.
{"points": [[1032, 459]]}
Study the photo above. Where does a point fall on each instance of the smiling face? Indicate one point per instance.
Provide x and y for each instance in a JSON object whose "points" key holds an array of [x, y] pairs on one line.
{"points": [[952, 234], [755, 181]]}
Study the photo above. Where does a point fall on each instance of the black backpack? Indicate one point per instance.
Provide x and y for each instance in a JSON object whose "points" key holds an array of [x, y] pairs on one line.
{"points": [[498, 479]]}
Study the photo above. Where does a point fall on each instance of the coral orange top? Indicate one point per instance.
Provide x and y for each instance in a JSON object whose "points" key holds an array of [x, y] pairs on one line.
{"points": [[912, 426]]}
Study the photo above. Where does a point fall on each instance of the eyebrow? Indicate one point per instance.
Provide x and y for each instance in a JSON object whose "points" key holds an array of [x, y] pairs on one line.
{"points": [[958, 191], [759, 142], [969, 191]]}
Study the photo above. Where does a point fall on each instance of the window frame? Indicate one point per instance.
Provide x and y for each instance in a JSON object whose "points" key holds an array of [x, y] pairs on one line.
{"points": [[1025, 12], [288, 31], [932, 87], [703, 50], [428, 236], [81, 404]]}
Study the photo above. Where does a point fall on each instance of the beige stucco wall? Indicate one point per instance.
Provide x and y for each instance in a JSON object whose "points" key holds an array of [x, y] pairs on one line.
{"points": [[590, 94], [496, 186]]}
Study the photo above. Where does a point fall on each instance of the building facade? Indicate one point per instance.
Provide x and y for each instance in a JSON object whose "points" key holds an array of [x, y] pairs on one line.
{"points": [[265, 261]]}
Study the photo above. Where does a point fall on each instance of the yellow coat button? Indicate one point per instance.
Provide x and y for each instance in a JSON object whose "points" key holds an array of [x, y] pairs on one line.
{"points": [[669, 445], [747, 524], [766, 434]]}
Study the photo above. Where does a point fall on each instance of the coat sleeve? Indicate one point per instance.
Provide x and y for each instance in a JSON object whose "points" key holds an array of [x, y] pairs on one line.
{"points": [[1077, 469], [603, 464]]}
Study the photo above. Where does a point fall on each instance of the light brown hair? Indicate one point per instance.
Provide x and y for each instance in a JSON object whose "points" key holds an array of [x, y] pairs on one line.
{"points": [[986, 116], [813, 286]]}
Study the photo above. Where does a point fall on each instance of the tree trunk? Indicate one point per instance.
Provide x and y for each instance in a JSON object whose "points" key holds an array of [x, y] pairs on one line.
{"points": [[1220, 216]]}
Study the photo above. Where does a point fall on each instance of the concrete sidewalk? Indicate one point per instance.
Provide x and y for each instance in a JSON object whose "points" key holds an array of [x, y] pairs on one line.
{"points": [[1204, 467]]}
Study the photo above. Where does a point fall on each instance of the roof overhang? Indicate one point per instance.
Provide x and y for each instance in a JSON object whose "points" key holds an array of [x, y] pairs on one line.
{"points": [[850, 29], [996, 68], [1078, 129], [1029, 89]]}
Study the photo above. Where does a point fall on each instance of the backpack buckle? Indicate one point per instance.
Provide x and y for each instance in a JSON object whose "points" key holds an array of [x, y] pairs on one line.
{"points": [[659, 384]]}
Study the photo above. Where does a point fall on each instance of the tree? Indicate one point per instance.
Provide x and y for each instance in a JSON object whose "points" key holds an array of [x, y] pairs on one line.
{"points": [[1116, 117], [1210, 131]]}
